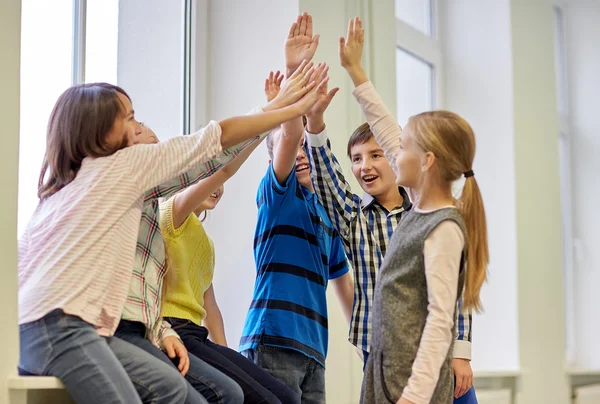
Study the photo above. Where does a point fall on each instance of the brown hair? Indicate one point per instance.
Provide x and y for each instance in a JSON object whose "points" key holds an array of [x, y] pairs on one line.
{"points": [[361, 135], [452, 141], [78, 126]]}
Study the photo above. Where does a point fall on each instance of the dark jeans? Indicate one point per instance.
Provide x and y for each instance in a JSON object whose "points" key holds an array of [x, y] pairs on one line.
{"points": [[300, 373], [95, 369], [258, 386], [213, 385]]}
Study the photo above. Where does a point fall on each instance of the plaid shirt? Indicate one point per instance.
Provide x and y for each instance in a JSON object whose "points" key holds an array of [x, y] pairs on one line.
{"points": [[366, 227], [145, 290]]}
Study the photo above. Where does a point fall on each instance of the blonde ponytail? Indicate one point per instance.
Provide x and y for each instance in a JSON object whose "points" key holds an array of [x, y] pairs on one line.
{"points": [[452, 141], [478, 256]]}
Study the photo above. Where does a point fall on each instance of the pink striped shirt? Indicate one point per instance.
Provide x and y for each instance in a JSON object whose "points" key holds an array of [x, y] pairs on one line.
{"points": [[77, 251]]}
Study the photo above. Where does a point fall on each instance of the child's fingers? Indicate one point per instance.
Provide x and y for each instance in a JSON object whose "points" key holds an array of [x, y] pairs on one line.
{"points": [[322, 86], [297, 27], [309, 25], [292, 30], [315, 43], [299, 70], [332, 93], [349, 29], [303, 24]]}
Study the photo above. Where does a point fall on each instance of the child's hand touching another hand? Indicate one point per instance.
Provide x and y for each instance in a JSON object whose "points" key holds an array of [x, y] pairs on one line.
{"points": [[300, 44], [273, 85]]}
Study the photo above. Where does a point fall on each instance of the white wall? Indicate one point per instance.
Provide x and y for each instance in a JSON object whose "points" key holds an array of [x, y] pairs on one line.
{"points": [[150, 62], [476, 41], [582, 36], [10, 21]]}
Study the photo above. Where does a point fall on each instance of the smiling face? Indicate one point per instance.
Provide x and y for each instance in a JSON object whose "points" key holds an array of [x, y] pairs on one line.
{"points": [[211, 202], [371, 169], [125, 127]]}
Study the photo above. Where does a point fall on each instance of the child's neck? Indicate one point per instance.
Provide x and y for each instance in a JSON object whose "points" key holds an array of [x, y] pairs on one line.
{"points": [[390, 199], [432, 198]]}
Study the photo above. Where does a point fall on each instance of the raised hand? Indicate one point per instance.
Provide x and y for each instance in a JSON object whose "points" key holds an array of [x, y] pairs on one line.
{"points": [[351, 48], [300, 44], [296, 86], [323, 99], [320, 84], [273, 85]]}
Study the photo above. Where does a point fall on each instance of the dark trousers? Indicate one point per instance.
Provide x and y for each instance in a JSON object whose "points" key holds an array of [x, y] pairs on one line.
{"points": [[258, 385]]}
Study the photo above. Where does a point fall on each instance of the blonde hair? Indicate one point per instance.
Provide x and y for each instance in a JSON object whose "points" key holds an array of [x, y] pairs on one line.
{"points": [[452, 141]]}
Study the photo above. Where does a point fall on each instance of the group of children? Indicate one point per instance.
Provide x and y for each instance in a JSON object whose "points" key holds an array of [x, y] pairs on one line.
{"points": [[115, 268]]}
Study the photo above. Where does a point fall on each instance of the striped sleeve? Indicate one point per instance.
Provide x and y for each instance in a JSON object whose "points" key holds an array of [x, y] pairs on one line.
{"points": [[333, 190], [338, 263], [199, 172]]}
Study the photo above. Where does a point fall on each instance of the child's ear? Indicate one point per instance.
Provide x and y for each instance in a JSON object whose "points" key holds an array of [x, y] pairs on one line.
{"points": [[427, 161]]}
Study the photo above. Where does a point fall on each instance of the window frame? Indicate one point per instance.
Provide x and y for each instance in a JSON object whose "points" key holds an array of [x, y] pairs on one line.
{"points": [[565, 166], [426, 48]]}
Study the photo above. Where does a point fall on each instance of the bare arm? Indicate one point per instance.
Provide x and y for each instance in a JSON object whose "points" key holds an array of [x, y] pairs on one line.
{"points": [[299, 45], [187, 201], [296, 97], [214, 320], [344, 289]]}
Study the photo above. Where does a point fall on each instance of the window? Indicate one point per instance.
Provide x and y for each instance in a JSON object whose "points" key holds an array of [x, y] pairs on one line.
{"points": [[414, 81], [418, 59], [416, 13], [66, 42], [101, 40], [46, 71]]}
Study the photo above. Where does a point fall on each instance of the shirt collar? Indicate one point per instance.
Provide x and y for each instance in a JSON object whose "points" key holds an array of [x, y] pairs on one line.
{"points": [[368, 200]]}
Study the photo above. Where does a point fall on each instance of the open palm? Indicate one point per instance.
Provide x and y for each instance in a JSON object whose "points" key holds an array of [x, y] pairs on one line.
{"points": [[300, 44]]}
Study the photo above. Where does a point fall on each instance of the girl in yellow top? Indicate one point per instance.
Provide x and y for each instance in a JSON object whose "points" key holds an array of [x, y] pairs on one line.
{"points": [[189, 303]]}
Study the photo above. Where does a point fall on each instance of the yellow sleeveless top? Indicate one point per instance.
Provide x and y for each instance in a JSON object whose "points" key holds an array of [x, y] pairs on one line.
{"points": [[190, 252]]}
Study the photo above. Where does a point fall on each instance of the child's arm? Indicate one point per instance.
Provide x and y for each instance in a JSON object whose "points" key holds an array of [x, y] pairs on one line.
{"points": [[188, 201], [191, 177], [331, 186], [442, 255], [339, 275], [299, 46], [381, 121], [151, 165], [214, 320], [344, 289], [461, 364]]}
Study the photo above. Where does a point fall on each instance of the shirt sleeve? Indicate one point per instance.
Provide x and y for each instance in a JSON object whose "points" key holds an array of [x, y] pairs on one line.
{"points": [[338, 263], [330, 185], [271, 192], [442, 255], [197, 173], [167, 226], [381, 121]]}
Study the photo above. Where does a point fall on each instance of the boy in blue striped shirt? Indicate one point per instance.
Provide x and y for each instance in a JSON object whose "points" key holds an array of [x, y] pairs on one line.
{"points": [[297, 251]]}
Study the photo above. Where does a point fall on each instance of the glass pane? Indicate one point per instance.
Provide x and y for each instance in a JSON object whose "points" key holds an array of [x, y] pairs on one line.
{"points": [[46, 48], [101, 44], [414, 86], [416, 13]]}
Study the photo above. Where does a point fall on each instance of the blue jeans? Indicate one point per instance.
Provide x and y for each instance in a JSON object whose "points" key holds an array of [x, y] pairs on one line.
{"points": [[300, 373], [258, 385], [95, 369], [214, 386], [468, 398]]}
